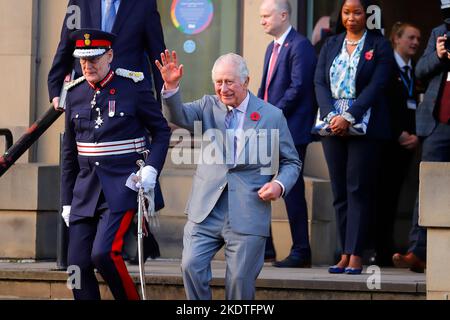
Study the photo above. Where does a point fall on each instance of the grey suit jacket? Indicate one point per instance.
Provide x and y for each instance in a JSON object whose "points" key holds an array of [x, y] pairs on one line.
{"points": [[432, 70], [247, 213]]}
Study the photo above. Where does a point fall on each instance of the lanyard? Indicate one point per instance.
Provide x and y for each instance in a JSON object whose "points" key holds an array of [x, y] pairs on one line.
{"points": [[409, 86]]}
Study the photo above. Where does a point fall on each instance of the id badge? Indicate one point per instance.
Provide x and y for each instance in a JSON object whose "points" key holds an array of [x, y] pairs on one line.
{"points": [[412, 104], [448, 77]]}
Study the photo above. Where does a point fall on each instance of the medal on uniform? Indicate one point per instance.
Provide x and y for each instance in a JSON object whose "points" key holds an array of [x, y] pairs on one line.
{"points": [[93, 101], [99, 120], [112, 108]]}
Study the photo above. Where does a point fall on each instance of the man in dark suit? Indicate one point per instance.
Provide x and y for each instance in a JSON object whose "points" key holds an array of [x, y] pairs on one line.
{"points": [[287, 83], [400, 154], [433, 125], [139, 40]]}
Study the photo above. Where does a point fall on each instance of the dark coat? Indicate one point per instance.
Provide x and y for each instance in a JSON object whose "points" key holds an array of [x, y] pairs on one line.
{"points": [[372, 78], [291, 88], [432, 70], [139, 39], [136, 115]]}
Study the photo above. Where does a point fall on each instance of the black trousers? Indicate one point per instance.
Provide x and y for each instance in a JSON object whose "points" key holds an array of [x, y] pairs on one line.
{"points": [[297, 214], [96, 242], [396, 164], [353, 166]]}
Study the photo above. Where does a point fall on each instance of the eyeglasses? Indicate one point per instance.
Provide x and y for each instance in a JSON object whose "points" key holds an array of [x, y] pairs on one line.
{"points": [[91, 60]]}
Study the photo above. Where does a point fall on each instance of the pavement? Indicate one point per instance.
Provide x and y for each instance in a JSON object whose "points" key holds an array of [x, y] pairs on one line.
{"points": [[383, 280]]}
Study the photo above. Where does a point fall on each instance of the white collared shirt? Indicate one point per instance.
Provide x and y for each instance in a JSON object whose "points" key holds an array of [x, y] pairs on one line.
{"points": [[241, 112], [104, 13], [401, 63], [243, 109], [283, 37], [280, 41]]}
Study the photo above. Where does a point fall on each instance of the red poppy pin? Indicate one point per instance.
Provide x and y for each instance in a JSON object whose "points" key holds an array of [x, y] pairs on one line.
{"points": [[369, 55], [112, 91], [255, 116]]}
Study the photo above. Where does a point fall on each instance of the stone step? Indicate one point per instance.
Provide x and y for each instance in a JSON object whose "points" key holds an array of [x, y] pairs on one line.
{"points": [[164, 282]]}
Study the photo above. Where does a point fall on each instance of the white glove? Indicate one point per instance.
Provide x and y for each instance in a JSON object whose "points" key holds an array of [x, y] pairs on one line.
{"points": [[66, 214], [148, 178]]}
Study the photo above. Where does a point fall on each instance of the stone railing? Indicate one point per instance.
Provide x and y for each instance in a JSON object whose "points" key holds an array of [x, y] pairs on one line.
{"points": [[434, 214]]}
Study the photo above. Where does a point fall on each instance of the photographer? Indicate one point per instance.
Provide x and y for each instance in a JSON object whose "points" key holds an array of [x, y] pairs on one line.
{"points": [[432, 124]]}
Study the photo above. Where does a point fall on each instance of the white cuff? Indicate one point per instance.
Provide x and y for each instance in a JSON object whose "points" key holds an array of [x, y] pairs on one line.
{"points": [[148, 178], [348, 116], [166, 94], [66, 214], [330, 116], [282, 187]]}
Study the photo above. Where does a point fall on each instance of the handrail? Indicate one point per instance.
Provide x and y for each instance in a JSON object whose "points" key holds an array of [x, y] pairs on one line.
{"points": [[8, 137], [27, 139]]}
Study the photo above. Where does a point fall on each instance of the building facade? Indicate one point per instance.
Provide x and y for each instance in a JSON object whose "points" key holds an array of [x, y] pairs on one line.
{"points": [[31, 28], [30, 31]]}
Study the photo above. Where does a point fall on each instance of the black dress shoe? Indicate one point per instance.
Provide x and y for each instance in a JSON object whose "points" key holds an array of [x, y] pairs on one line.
{"points": [[269, 256], [293, 262], [269, 252]]}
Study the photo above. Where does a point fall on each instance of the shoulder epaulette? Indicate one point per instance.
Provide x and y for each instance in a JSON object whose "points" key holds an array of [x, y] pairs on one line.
{"points": [[74, 83], [135, 76]]}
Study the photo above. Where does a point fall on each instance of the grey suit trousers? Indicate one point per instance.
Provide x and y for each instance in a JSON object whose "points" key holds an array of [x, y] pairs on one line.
{"points": [[244, 256]]}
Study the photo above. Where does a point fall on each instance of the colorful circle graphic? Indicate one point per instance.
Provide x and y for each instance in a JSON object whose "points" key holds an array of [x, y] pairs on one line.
{"points": [[189, 46], [192, 16]]}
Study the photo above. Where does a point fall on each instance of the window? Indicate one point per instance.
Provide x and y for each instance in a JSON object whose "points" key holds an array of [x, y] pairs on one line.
{"points": [[197, 43]]}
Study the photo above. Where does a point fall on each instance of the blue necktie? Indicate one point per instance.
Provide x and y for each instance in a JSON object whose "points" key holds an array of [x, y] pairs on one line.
{"points": [[110, 15], [231, 122]]}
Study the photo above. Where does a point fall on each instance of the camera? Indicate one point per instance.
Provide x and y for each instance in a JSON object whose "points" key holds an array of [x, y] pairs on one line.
{"points": [[446, 16]]}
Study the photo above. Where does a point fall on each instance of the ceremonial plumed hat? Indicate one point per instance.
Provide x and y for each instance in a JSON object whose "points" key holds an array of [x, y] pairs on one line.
{"points": [[91, 43]]}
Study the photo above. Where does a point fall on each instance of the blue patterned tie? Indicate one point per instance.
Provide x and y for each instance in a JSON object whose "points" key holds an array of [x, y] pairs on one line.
{"points": [[110, 15], [231, 121]]}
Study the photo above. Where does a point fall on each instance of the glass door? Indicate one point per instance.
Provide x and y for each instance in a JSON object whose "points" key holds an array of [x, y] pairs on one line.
{"points": [[200, 31]]}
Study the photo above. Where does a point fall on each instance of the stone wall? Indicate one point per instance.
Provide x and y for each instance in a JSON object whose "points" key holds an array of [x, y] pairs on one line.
{"points": [[434, 214]]}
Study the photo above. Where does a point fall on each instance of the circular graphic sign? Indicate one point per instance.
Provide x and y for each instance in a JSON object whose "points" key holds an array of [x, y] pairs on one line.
{"points": [[189, 46], [192, 16]]}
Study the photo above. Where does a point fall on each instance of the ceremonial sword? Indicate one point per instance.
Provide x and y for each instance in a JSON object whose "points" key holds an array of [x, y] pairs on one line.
{"points": [[140, 231]]}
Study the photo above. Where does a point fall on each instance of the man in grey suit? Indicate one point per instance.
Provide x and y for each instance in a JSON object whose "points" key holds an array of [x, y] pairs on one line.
{"points": [[230, 201], [432, 125]]}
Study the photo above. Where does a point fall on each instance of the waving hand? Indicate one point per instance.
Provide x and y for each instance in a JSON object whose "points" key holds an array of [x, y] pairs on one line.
{"points": [[171, 72]]}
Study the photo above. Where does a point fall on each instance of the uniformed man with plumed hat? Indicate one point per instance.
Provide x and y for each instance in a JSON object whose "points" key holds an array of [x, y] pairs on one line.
{"points": [[109, 117]]}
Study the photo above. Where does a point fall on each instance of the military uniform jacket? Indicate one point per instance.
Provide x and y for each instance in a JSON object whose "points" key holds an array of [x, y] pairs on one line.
{"points": [[127, 111]]}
